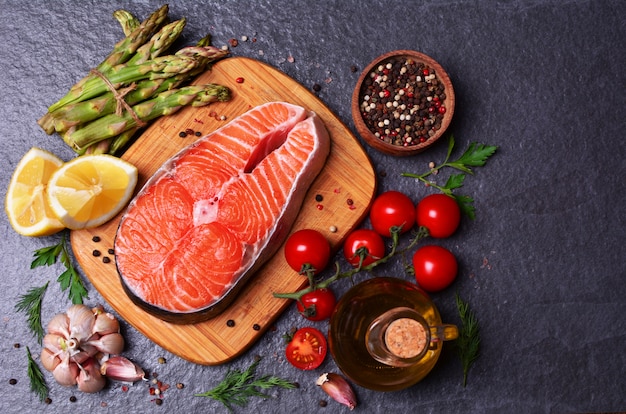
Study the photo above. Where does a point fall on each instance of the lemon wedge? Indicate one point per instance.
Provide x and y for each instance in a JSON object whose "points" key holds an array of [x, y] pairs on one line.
{"points": [[25, 203], [89, 190]]}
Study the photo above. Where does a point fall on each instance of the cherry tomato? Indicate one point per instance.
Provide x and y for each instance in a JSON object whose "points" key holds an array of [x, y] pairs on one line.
{"points": [[368, 240], [307, 349], [440, 214], [435, 268], [307, 248], [317, 305], [392, 209]]}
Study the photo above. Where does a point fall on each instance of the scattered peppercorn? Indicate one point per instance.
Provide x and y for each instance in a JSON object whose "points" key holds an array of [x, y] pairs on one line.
{"points": [[296, 384], [230, 323], [353, 68], [111, 251], [349, 201], [180, 385], [319, 197], [323, 403], [256, 327], [317, 87], [161, 360], [106, 260], [72, 399], [182, 134], [158, 401], [95, 239], [12, 381], [16, 345], [96, 253], [233, 42], [48, 400], [198, 134]]}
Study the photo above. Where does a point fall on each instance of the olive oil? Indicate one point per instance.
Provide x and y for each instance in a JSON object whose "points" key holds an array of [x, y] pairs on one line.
{"points": [[349, 324]]}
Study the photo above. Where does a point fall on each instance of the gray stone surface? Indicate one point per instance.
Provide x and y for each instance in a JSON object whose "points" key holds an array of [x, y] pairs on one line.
{"points": [[543, 263]]}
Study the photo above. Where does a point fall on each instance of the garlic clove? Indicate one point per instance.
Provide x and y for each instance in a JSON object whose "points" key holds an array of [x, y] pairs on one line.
{"points": [[81, 321], [59, 325], [90, 379], [338, 389], [106, 323], [66, 371], [112, 343], [54, 342], [49, 359], [119, 368]]}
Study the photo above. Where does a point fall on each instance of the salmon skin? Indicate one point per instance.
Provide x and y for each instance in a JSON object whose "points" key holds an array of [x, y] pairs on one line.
{"points": [[214, 213]]}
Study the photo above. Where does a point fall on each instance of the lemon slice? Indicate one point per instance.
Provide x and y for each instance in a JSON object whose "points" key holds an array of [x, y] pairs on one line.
{"points": [[89, 190], [25, 204]]}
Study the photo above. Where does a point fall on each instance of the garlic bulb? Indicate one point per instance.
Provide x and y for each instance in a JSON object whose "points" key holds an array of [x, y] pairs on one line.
{"points": [[76, 342]]}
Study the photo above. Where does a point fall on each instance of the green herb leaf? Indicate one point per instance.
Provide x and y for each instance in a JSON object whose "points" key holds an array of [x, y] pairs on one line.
{"points": [[70, 278], [468, 343], [37, 381], [455, 181], [476, 155], [466, 204], [47, 256], [237, 387], [30, 304]]}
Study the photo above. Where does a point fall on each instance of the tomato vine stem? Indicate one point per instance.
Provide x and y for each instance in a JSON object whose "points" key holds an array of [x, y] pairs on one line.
{"points": [[421, 233]]}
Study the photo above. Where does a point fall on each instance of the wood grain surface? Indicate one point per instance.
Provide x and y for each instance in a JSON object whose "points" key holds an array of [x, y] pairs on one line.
{"points": [[347, 175]]}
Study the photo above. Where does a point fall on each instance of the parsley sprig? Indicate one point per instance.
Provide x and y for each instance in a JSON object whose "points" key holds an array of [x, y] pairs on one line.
{"points": [[30, 304], [476, 155], [70, 278], [237, 387], [468, 342]]}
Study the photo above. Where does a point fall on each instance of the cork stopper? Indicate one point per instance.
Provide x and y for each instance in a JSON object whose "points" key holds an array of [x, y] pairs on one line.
{"points": [[405, 338]]}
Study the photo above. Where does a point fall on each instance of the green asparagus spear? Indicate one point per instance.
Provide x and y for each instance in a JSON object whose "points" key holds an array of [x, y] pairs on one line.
{"points": [[159, 43], [122, 51], [165, 103], [157, 68], [82, 112], [127, 20], [125, 48], [77, 113]]}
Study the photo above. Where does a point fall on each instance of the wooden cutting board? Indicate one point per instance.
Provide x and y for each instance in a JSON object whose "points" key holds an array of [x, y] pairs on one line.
{"points": [[347, 185]]}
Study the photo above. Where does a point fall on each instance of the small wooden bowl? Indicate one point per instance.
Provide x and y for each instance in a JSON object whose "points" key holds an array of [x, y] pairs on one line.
{"points": [[416, 144]]}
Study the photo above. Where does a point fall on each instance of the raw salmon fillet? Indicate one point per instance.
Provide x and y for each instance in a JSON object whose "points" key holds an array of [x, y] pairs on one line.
{"points": [[218, 210]]}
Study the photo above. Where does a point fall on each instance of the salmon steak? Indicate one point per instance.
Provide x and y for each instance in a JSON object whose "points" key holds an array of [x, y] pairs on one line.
{"points": [[215, 212]]}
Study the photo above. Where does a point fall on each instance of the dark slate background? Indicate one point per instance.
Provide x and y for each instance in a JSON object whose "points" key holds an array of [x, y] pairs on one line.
{"points": [[542, 265]]}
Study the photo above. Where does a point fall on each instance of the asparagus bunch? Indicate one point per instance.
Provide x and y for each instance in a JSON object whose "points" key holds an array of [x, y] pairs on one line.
{"points": [[166, 103], [136, 83]]}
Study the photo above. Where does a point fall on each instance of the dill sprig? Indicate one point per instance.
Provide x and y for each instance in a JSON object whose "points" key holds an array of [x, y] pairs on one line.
{"points": [[30, 304], [70, 278], [468, 343], [475, 155], [237, 387], [37, 381]]}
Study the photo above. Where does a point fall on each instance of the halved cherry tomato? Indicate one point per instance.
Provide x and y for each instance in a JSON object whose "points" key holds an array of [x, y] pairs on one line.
{"points": [[392, 209], [366, 240], [317, 305], [308, 248], [440, 214], [435, 267], [307, 349]]}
